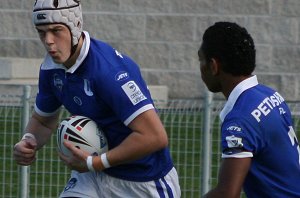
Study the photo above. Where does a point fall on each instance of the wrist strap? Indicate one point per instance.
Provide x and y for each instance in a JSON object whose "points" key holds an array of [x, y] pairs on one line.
{"points": [[28, 135], [89, 163], [105, 161]]}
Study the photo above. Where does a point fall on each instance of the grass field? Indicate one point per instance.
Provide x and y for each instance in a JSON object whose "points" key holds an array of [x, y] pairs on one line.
{"points": [[48, 176]]}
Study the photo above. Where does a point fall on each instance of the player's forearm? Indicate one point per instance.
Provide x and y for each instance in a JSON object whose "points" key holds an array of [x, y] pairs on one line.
{"points": [[40, 129], [148, 136], [134, 147]]}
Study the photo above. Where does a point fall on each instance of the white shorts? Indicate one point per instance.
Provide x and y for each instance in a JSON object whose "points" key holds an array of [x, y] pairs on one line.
{"points": [[101, 185]]}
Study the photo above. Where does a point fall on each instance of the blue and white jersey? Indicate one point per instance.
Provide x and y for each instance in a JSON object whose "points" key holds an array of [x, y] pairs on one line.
{"points": [[257, 123], [107, 87]]}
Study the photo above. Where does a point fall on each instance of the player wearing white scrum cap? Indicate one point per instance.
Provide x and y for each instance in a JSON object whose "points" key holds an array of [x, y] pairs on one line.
{"points": [[67, 12], [90, 78]]}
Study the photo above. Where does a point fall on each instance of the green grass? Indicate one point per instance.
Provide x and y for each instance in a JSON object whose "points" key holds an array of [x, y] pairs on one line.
{"points": [[48, 175], [183, 129]]}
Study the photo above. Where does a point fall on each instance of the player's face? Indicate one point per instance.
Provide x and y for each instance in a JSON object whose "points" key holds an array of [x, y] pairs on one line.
{"points": [[57, 41], [208, 73]]}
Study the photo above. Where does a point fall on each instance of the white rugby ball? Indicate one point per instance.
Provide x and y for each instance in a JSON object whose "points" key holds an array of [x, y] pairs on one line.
{"points": [[83, 133]]}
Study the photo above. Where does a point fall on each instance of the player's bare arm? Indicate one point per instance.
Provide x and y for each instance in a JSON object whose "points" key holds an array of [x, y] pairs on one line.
{"points": [[231, 177], [38, 132], [147, 137], [42, 127]]}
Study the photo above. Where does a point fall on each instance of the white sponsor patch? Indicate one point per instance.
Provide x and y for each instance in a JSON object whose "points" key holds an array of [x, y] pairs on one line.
{"points": [[234, 142], [133, 92]]}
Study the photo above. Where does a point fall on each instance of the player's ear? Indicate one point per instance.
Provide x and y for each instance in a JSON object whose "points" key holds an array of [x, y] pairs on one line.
{"points": [[214, 66]]}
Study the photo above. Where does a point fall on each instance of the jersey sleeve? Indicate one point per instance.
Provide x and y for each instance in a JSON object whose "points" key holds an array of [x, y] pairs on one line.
{"points": [[125, 91], [239, 139], [46, 103]]}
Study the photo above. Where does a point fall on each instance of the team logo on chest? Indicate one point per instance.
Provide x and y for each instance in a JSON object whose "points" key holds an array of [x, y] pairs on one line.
{"points": [[58, 83], [87, 88]]}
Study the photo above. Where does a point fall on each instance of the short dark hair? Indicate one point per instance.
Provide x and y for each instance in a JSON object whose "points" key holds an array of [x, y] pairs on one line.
{"points": [[232, 46]]}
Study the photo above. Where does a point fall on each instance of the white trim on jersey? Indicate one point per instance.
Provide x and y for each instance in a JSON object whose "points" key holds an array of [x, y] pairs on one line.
{"points": [[236, 92], [83, 52], [238, 155], [138, 112]]}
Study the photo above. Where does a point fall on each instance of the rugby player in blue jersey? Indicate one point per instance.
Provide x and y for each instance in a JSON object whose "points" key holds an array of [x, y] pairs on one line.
{"points": [[260, 151], [90, 78]]}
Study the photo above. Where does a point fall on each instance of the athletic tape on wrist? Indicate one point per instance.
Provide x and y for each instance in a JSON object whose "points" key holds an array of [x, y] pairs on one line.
{"points": [[105, 161], [28, 135], [89, 163]]}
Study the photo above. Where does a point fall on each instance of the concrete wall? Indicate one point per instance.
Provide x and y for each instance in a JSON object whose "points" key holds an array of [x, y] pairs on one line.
{"points": [[163, 36]]}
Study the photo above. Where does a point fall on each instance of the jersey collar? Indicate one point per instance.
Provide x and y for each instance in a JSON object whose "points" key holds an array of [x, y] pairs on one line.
{"points": [[236, 92], [50, 64], [83, 53]]}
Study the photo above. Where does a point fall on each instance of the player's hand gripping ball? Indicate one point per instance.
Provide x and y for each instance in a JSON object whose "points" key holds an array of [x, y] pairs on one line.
{"points": [[83, 133]]}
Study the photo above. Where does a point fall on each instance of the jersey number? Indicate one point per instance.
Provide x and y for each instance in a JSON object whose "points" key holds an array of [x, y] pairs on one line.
{"points": [[294, 140]]}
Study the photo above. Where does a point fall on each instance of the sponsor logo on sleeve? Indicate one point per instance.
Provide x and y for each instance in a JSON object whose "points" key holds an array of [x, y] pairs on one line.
{"points": [[133, 92], [122, 75], [234, 128], [234, 142]]}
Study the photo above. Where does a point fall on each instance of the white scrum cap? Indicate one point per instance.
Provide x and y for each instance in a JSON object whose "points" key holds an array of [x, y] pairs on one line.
{"points": [[67, 12]]}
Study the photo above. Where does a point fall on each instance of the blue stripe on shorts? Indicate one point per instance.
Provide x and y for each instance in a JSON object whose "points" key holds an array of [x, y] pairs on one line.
{"points": [[160, 189]]}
